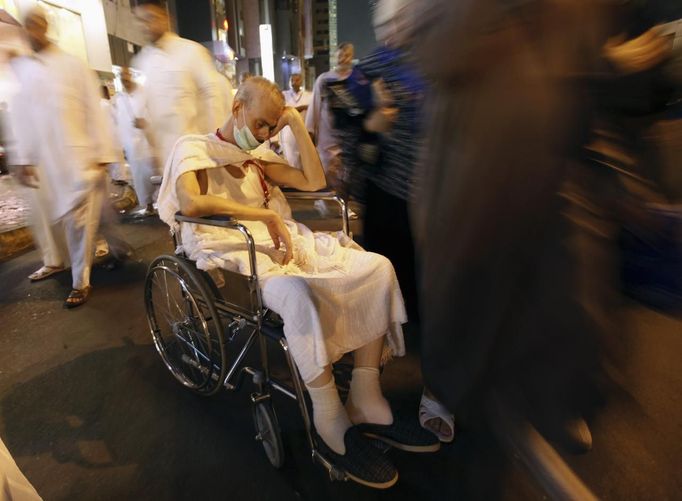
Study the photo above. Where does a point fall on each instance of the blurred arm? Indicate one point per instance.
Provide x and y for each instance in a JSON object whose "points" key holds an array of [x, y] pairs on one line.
{"points": [[312, 117], [210, 93], [99, 126]]}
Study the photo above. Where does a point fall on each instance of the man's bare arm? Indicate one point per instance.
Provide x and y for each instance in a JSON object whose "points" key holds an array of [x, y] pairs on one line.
{"points": [[195, 204], [311, 177]]}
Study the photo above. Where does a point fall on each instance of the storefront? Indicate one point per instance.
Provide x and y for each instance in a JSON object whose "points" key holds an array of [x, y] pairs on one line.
{"points": [[77, 26]]}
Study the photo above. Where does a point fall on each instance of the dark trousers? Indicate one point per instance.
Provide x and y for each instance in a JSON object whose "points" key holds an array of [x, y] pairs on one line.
{"points": [[387, 232]]}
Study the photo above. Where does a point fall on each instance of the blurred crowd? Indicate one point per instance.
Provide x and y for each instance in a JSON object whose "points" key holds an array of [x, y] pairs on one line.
{"points": [[515, 160]]}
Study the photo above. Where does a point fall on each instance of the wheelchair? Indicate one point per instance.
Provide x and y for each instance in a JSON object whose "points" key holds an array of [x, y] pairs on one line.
{"points": [[204, 333]]}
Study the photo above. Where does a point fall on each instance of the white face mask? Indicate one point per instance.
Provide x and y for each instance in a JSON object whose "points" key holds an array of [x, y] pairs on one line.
{"points": [[243, 135]]}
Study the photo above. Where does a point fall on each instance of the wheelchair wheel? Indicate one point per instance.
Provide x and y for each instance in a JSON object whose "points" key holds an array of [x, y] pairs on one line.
{"points": [[268, 433], [185, 325]]}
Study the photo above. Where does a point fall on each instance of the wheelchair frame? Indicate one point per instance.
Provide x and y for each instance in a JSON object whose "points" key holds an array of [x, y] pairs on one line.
{"points": [[230, 319]]}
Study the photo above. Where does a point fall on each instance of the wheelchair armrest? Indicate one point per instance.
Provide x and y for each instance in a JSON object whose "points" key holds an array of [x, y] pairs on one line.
{"points": [[292, 194], [224, 221], [325, 194], [219, 220]]}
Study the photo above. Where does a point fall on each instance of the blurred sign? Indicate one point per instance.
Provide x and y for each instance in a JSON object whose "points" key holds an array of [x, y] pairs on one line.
{"points": [[65, 29], [266, 54], [10, 7], [308, 29]]}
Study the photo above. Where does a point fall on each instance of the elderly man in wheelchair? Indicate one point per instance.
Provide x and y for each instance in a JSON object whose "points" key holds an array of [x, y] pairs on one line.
{"points": [[332, 297]]}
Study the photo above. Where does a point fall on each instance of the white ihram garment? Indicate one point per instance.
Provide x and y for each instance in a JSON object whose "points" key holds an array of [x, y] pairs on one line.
{"points": [[333, 297], [14, 486], [60, 128], [117, 171], [286, 136], [183, 91], [130, 106]]}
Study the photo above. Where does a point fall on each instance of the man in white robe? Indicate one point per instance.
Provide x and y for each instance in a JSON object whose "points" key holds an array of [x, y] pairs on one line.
{"points": [[62, 144], [320, 122], [298, 98], [183, 91], [131, 118], [334, 297]]}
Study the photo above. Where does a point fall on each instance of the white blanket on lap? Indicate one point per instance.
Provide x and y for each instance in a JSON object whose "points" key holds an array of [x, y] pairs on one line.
{"points": [[333, 297]]}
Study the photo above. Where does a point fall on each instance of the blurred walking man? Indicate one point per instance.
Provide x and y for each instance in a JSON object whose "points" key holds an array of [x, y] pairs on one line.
{"points": [[183, 92], [298, 98], [131, 113], [63, 144], [319, 119]]}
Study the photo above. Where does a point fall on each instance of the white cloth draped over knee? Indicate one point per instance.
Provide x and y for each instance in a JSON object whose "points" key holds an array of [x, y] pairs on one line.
{"points": [[333, 296], [14, 486]]}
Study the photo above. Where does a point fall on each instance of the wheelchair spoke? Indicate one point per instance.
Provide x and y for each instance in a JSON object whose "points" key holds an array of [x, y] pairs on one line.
{"points": [[185, 325]]}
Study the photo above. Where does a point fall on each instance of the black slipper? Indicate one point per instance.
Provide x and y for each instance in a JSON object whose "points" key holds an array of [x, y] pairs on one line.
{"points": [[363, 463], [404, 433]]}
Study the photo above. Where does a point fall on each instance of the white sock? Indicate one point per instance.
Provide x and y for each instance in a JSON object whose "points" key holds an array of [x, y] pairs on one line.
{"points": [[330, 418], [366, 403]]}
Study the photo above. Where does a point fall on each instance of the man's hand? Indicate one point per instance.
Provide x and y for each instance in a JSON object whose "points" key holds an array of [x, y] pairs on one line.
{"points": [[26, 175], [639, 54], [280, 235], [289, 117], [381, 120]]}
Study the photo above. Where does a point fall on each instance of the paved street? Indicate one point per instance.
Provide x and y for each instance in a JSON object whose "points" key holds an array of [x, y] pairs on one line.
{"points": [[89, 411]]}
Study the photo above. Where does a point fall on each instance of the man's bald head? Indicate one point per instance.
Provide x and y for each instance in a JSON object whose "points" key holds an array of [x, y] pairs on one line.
{"points": [[259, 103], [36, 26], [259, 88]]}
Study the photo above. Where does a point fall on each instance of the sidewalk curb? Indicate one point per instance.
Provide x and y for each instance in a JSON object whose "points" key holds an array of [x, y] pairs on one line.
{"points": [[14, 242]]}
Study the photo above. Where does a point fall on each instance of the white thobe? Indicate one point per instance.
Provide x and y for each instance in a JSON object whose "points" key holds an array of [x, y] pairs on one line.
{"points": [[183, 91], [117, 171], [319, 121], [286, 136], [61, 129], [130, 106], [14, 486]]}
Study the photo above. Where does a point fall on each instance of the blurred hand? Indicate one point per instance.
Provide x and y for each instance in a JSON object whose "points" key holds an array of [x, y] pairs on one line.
{"points": [[381, 120], [280, 235], [140, 123], [26, 175], [638, 54], [336, 176]]}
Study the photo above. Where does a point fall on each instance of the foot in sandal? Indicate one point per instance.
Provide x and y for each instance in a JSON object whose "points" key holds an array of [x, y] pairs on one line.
{"points": [[44, 272], [434, 417], [77, 297]]}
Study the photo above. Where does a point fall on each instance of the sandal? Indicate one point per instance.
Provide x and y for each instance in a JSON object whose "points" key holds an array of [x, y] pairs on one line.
{"points": [[44, 272], [404, 434], [431, 409], [101, 248], [77, 297]]}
